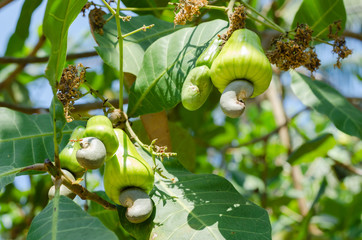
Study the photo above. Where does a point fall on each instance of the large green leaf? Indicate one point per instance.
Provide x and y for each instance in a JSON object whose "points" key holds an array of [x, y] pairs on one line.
{"points": [[64, 219], [134, 46], [326, 100], [318, 14], [146, 4], [165, 66], [17, 40], [199, 206], [27, 139], [57, 19], [312, 149]]}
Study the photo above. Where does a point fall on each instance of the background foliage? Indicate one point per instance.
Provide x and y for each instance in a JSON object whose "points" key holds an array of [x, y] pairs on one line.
{"points": [[294, 156]]}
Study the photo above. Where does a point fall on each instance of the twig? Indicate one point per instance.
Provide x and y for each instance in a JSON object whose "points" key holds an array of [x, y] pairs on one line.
{"points": [[82, 192], [71, 56], [352, 35], [230, 8], [144, 28], [95, 92], [5, 83], [3, 3], [35, 167]]}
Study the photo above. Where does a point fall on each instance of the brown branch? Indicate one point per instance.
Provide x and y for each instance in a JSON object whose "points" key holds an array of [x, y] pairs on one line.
{"points": [[71, 56], [35, 167], [3, 3], [20, 68], [77, 108], [350, 34], [78, 189], [268, 135]]}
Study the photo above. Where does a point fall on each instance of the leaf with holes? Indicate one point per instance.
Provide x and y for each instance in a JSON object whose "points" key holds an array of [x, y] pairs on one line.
{"points": [[134, 46], [198, 206], [165, 66], [27, 139], [326, 100], [319, 14], [64, 219]]}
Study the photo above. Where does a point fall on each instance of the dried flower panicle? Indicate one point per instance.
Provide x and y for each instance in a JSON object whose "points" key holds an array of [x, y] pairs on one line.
{"points": [[294, 52], [68, 87], [187, 9], [86, 7], [96, 20], [339, 44], [237, 21]]}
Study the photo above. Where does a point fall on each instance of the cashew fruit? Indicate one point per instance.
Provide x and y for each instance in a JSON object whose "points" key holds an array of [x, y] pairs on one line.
{"points": [[92, 153], [128, 170], [67, 156], [101, 127], [240, 71], [63, 189], [208, 56], [196, 88], [242, 58]]}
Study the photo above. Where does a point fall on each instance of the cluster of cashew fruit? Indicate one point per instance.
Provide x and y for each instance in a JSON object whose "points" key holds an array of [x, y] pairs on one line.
{"points": [[128, 178], [240, 70]]}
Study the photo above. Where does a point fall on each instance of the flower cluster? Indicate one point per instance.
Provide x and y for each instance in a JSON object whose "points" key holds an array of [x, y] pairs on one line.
{"points": [[339, 44], [294, 50], [96, 20], [187, 9], [237, 21], [68, 87]]}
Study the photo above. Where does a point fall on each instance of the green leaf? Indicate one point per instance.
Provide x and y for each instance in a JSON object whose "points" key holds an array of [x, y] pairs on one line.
{"points": [[64, 219], [17, 40], [319, 14], [201, 206], [57, 19], [312, 149], [165, 66], [146, 4], [134, 46], [326, 100], [7, 175], [28, 139]]}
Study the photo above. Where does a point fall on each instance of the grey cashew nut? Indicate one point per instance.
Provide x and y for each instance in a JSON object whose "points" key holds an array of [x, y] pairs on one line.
{"points": [[233, 98], [139, 204], [63, 189], [92, 153]]}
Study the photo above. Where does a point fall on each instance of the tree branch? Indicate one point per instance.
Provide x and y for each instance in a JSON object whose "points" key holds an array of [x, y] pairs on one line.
{"points": [[77, 108], [352, 35], [3, 3], [71, 56], [5, 83], [82, 192]]}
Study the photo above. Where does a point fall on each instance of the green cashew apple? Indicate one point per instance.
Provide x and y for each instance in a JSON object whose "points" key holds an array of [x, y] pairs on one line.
{"points": [[99, 143], [63, 189], [128, 179], [208, 56], [67, 156], [196, 88], [243, 64]]}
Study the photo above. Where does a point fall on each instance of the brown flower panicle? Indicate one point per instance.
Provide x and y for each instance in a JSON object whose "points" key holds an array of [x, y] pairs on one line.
{"points": [[237, 21], [96, 20], [339, 44], [68, 87], [187, 9], [289, 52]]}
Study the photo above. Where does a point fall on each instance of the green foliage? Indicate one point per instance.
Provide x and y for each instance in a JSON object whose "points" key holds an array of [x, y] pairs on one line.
{"points": [[164, 70], [57, 19], [310, 150], [134, 46], [319, 14], [17, 40], [63, 218], [327, 100]]}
